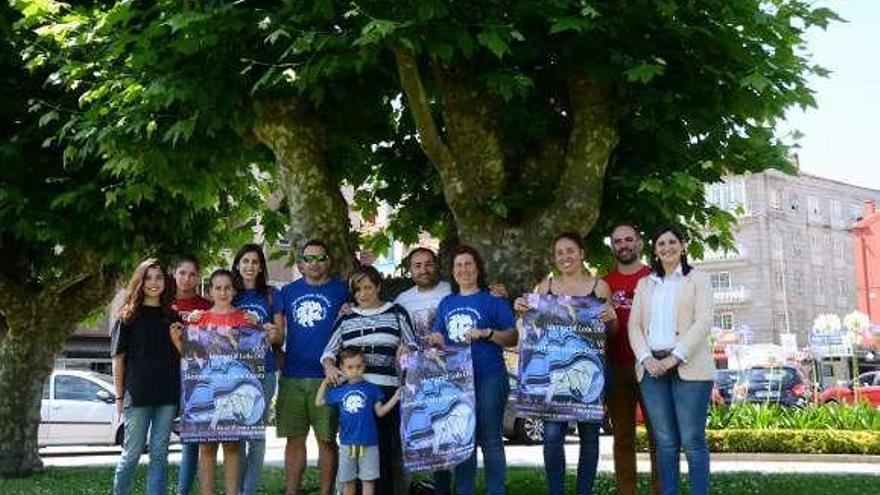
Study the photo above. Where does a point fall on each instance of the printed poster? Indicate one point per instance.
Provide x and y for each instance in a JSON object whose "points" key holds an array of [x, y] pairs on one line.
{"points": [[438, 418], [562, 359], [222, 371]]}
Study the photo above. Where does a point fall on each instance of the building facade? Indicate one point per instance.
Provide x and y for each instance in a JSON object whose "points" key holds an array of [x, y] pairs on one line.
{"points": [[794, 257], [866, 243]]}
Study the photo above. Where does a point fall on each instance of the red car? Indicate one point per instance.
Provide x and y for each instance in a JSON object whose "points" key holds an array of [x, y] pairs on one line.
{"points": [[869, 390]]}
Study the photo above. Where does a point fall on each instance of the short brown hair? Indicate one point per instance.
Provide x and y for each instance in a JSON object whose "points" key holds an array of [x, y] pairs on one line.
{"points": [[349, 353]]}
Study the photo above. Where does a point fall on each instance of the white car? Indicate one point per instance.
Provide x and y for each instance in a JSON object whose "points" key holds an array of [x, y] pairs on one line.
{"points": [[78, 408]]}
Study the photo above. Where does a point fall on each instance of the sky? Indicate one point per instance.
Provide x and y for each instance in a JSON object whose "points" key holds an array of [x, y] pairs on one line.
{"points": [[842, 133]]}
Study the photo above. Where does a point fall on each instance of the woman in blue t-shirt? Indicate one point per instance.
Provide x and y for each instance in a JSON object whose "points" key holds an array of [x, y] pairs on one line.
{"points": [[146, 375], [472, 314], [255, 296]]}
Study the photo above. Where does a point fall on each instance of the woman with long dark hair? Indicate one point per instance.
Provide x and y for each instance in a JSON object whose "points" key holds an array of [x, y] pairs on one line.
{"points": [[254, 295], [572, 280], [471, 314], [382, 330], [146, 375], [669, 334]]}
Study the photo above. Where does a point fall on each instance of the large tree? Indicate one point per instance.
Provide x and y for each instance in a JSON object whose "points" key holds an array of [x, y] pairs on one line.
{"points": [[536, 117], [493, 123], [72, 220]]}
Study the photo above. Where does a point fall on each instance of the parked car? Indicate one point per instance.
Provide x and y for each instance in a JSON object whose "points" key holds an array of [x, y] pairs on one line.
{"points": [[520, 429], [725, 382], [79, 408], [523, 429], [784, 385], [869, 390]]}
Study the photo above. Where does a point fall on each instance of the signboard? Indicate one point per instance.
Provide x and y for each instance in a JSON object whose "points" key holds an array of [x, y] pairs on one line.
{"points": [[562, 359], [222, 371], [438, 417]]}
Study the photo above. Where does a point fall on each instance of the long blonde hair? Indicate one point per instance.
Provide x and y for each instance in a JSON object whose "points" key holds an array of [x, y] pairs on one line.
{"points": [[134, 294]]}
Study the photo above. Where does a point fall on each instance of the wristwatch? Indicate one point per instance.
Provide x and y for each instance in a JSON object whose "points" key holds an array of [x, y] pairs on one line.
{"points": [[489, 336]]}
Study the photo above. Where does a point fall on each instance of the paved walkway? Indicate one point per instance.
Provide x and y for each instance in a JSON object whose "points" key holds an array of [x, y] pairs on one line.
{"points": [[527, 456]]}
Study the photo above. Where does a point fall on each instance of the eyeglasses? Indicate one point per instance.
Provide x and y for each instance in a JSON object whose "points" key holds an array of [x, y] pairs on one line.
{"points": [[308, 258]]}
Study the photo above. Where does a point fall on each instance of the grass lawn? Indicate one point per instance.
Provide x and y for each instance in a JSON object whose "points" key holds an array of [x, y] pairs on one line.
{"points": [[75, 481]]}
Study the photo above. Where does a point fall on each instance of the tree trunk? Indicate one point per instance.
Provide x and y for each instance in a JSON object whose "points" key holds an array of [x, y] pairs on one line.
{"points": [[295, 135], [471, 163], [25, 362], [34, 324]]}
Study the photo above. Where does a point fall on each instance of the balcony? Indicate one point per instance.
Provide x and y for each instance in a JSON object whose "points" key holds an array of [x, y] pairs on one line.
{"points": [[732, 295], [712, 256]]}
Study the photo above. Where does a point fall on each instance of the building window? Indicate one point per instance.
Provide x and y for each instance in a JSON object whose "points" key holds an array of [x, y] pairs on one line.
{"points": [[842, 287], [838, 249], [797, 244], [836, 209], [813, 203], [729, 195], [779, 279], [775, 198], [794, 203], [820, 286], [797, 282], [815, 243], [724, 321], [720, 281], [855, 212]]}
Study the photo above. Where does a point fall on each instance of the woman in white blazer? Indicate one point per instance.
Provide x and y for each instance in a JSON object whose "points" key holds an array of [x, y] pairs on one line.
{"points": [[669, 334]]}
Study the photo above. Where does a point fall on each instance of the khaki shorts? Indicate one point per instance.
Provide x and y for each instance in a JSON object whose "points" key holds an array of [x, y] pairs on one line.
{"points": [[296, 410], [362, 465]]}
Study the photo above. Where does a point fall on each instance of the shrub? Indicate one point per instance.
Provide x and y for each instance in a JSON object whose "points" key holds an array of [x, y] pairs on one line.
{"points": [[787, 441], [862, 417]]}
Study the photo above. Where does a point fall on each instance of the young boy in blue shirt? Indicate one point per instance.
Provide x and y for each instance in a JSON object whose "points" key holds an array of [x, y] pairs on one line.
{"points": [[359, 402]]}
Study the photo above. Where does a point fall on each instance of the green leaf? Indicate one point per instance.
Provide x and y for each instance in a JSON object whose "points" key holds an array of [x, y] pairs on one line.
{"points": [[491, 39], [644, 72]]}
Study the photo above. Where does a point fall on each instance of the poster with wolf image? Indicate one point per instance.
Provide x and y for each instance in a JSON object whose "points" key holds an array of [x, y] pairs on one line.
{"points": [[222, 370], [438, 419], [562, 359]]}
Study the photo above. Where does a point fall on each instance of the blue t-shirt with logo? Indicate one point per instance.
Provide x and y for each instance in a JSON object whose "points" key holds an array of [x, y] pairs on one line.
{"points": [[357, 420], [457, 314], [254, 301], [310, 311]]}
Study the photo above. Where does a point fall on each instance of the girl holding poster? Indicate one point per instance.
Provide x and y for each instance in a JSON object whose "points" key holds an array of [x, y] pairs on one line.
{"points": [[210, 338], [572, 280], [146, 375], [471, 314]]}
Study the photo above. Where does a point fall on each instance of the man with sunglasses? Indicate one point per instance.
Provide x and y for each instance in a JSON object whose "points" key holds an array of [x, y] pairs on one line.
{"points": [[623, 389], [307, 308]]}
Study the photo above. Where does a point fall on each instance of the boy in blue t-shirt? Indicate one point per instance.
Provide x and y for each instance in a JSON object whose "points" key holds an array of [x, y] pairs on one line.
{"points": [[359, 402]]}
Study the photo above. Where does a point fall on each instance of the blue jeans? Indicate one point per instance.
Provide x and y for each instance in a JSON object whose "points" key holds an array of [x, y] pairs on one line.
{"points": [[554, 457], [491, 396], [157, 421], [254, 452], [678, 410], [189, 464]]}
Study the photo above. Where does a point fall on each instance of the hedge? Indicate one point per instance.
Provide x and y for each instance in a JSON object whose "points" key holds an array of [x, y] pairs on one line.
{"points": [[786, 441]]}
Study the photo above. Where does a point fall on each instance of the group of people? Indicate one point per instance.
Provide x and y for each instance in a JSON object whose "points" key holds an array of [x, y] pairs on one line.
{"points": [[336, 345]]}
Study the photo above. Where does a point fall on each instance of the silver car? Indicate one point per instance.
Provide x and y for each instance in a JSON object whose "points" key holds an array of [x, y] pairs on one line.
{"points": [[78, 408]]}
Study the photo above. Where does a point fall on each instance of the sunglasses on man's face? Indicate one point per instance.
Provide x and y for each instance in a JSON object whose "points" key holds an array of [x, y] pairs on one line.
{"points": [[308, 258]]}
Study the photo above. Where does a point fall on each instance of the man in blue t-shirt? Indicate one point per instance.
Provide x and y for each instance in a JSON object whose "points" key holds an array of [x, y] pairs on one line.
{"points": [[307, 308], [359, 403]]}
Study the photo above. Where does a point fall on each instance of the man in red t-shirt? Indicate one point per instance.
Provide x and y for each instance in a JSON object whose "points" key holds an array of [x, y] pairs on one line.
{"points": [[623, 393]]}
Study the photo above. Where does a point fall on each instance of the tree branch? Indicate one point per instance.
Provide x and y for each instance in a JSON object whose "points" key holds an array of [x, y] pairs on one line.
{"points": [[295, 134], [429, 136], [592, 138]]}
